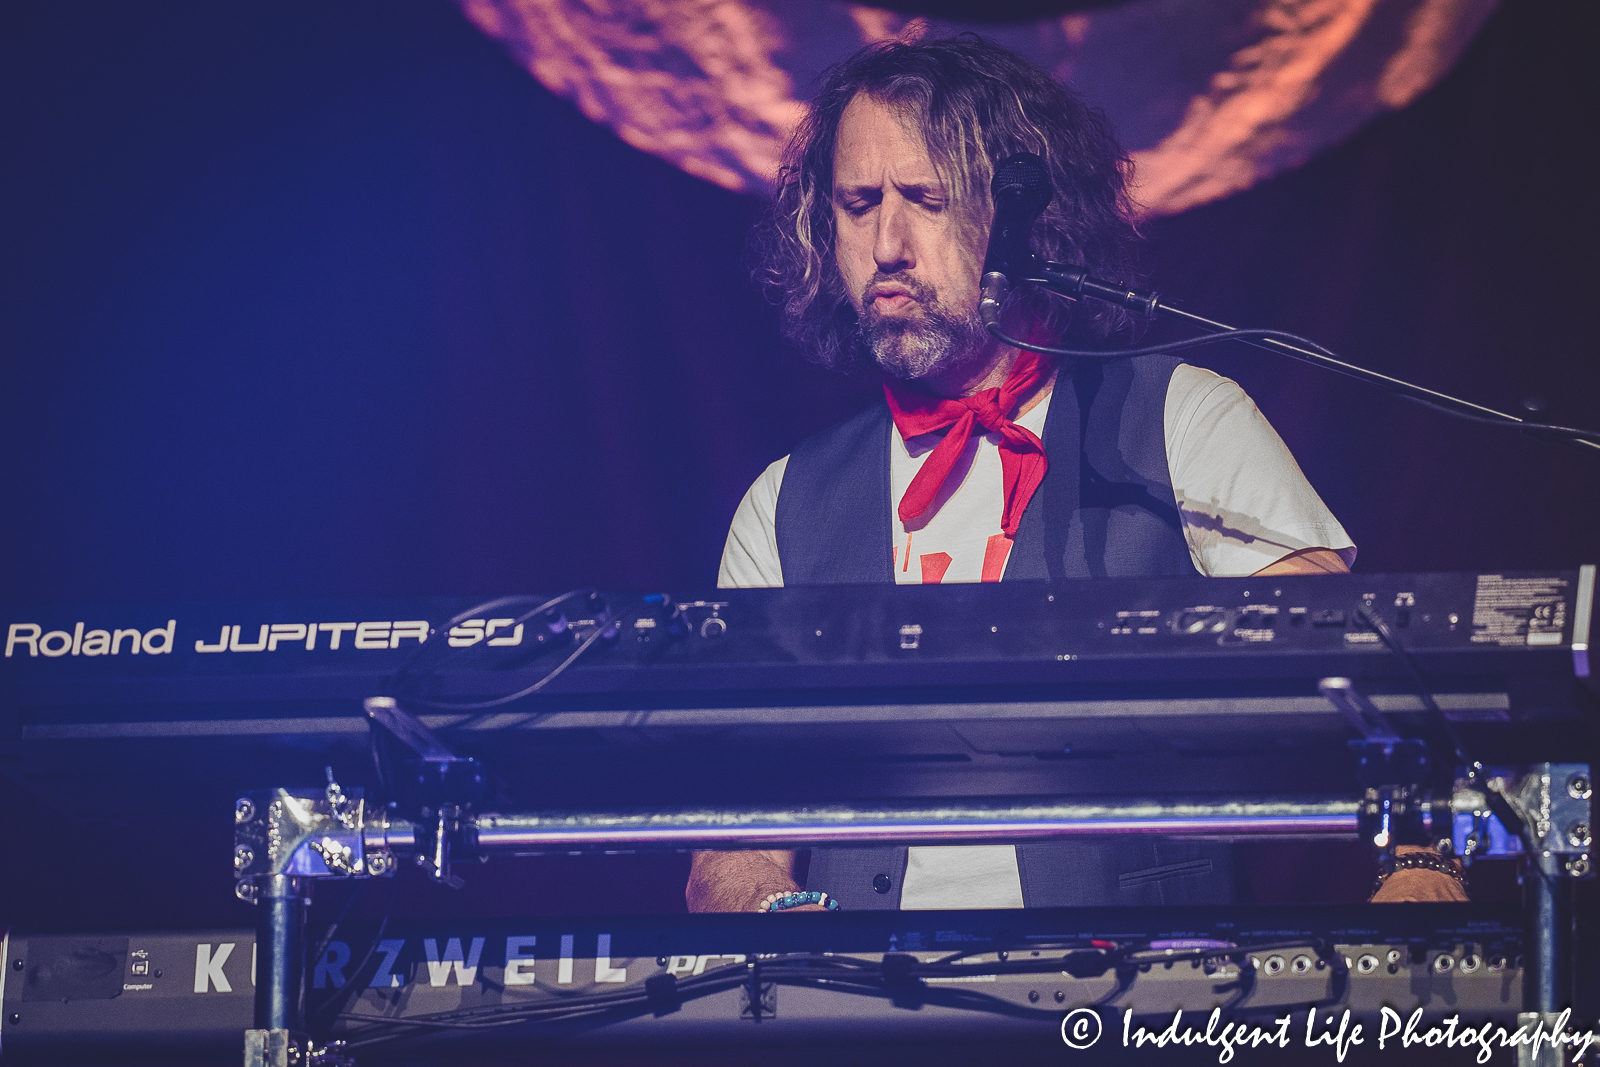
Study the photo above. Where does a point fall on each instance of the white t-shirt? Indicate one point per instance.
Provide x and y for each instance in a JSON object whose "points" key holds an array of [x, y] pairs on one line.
{"points": [[1244, 505], [1242, 498]]}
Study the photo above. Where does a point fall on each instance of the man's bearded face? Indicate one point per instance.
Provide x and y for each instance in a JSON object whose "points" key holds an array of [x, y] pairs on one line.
{"points": [[908, 252], [934, 337]]}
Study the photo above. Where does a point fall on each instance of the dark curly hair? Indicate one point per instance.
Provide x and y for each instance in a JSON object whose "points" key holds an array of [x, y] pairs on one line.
{"points": [[976, 103]]}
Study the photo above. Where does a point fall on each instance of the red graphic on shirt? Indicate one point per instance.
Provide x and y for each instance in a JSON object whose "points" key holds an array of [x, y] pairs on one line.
{"points": [[995, 553], [907, 565], [934, 564]]}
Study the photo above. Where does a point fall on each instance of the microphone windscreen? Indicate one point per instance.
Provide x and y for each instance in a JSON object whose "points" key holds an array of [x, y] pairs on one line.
{"points": [[1023, 173]]}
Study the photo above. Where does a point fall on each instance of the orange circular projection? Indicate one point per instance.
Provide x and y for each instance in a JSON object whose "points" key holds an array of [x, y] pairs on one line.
{"points": [[1209, 96]]}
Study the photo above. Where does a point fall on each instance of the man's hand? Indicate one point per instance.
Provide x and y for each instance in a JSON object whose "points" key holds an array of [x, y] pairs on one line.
{"points": [[738, 881], [1307, 561], [1413, 886]]}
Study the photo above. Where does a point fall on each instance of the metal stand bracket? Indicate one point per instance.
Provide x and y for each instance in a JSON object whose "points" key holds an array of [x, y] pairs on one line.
{"points": [[1553, 804], [284, 840], [285, 1048]]}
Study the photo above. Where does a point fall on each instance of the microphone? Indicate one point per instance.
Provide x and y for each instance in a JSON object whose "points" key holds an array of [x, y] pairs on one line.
{"points": [[1021, 189]]}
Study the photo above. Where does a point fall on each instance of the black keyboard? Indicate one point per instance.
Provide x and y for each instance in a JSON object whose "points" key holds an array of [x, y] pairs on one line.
{"points": [[1080, 687]]}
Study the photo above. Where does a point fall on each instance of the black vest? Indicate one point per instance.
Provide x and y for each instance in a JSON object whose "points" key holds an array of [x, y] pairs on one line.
{"points": [[1105, 509]]}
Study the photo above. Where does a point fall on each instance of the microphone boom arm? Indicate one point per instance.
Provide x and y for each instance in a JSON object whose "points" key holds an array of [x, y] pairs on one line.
{"points": [[1076, 283]]}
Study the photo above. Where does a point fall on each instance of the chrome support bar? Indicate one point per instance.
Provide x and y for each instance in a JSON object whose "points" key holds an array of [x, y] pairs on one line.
{"points": [[929, 822]]}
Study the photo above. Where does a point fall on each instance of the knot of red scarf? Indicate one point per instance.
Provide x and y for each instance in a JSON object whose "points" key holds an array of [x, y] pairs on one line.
{"points": [[1022, 459]]}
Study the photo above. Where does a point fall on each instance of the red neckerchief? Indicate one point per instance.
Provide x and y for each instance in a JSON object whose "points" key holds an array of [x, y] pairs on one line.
{"points": [[1022, 459]]}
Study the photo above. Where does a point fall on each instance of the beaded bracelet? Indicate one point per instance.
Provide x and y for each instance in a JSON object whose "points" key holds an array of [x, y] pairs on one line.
{"points": [[784, 901], [1417, 861]]}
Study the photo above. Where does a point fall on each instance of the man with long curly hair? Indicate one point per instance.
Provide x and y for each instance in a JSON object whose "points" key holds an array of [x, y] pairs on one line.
{"points": [[985, 462]]}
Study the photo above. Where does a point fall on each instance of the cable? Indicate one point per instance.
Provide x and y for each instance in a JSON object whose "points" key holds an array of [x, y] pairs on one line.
{"points": [[405, 680], [402, 677], [1476, 774], [1375, 623], [842, 974], [602, 624], [333, 928], [383, 924], [506, 1015], [1155, 350], [638, 1003], [1542, 430]]}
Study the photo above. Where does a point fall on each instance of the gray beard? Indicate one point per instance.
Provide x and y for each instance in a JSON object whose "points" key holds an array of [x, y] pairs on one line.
{"points": [[936, 340]]}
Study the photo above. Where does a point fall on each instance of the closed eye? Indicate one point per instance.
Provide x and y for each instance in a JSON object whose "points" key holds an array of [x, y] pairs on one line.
{"points": [[930, 198], [859, 202]]}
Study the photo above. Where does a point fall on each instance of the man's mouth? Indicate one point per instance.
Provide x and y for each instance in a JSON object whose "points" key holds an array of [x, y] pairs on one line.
{"points": [[890, 299]]}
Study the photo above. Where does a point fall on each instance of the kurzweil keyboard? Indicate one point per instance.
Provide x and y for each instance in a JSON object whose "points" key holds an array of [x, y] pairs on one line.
{"points": [[1088, 687], [702, 981]]}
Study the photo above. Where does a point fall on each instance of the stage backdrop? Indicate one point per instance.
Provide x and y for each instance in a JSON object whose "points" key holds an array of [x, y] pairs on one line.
{"points": [[310, 299], [1208, 97]]}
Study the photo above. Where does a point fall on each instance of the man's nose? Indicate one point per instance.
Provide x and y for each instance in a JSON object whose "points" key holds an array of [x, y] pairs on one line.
{"points": [[892, 247]]}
